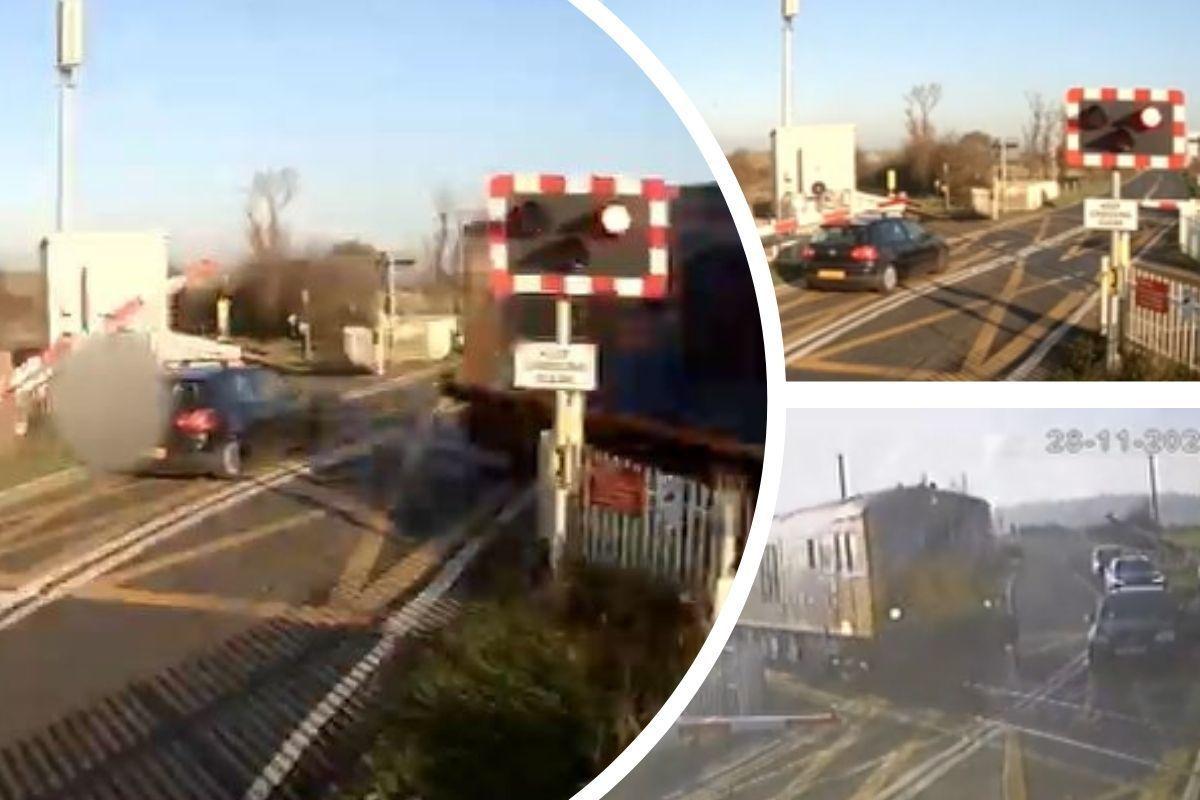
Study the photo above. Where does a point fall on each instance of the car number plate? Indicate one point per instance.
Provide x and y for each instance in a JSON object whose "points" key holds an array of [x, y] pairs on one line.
{"points": [[831, 274], [1131, 650], [159, 453]]}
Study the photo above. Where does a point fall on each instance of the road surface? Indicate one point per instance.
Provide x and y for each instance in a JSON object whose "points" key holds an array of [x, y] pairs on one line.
{"points": [[164, 637], [1010, 286], [1034, 724]]}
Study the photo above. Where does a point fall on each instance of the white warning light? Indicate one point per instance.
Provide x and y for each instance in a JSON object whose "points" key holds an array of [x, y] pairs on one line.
{"points": [[1150, 118], [615, 219]]}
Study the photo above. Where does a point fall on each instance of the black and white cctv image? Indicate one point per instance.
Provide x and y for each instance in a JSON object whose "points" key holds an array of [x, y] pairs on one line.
{"points": [[962, 603]]}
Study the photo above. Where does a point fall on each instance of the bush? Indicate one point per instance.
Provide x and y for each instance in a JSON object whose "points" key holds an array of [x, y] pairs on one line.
{"points": [[499, 707], [533, 698]]}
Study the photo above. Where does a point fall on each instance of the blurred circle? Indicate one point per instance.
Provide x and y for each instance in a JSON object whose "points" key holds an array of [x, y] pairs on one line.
{"points": [[109, 401]]}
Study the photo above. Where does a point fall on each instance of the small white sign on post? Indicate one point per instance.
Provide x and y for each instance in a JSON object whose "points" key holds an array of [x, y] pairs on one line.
{"points": [[1107, 214], [542, 365]]}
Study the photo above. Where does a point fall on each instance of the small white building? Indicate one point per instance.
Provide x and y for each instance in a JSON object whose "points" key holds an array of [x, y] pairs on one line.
{"points": [[93, 278], [812, 160]]}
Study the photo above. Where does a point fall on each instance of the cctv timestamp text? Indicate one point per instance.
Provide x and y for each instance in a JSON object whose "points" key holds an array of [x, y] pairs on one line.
{"points": [[1150, 441]]}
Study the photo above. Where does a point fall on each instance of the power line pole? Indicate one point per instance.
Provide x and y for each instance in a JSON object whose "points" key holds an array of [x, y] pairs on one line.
{"points": [[1154, 491], [842, 474], [790, 9], [69, 59]]}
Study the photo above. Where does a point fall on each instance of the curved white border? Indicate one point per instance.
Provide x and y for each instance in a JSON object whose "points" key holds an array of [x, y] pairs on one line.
{"points": [[773, 342]]}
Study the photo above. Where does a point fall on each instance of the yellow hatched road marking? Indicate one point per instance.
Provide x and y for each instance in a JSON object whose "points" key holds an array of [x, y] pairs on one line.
{"points": [[358, 567], [41, 515], [999, 307], [930, 319], [1014, 785], [343, 503], [114, 524], [818, 762], [263, 609], [228, 542], [405, 574], [899, 373], [1030, 336], [888, 769]]}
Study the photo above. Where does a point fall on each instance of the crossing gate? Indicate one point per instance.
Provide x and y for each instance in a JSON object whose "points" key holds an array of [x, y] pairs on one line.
{"points": [[682, 530], [1164, 315]]}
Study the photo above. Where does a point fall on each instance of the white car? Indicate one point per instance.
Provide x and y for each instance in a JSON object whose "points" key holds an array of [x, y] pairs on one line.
{"points": [[1128, 571]]}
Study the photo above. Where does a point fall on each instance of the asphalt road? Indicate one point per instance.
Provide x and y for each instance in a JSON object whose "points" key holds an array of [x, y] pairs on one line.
{"points": [[162, 637], [1009, 287], [1032, 723]]}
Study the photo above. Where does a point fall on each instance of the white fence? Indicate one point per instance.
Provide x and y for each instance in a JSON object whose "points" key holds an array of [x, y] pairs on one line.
{"points": [[1164, 316], [679, 529]]}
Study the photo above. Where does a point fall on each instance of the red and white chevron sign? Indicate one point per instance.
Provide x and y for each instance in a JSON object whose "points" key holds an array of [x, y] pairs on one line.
{"points": [[1075, 155], [648, 202]]}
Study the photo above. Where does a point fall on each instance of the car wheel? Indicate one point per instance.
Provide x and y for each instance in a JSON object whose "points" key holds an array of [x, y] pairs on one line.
{"points": [[943, 262], [888, 279], [229, 460]]}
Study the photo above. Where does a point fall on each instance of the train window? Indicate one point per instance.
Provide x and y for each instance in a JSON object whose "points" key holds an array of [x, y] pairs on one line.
{"points": [[812, 554], [769, 574]]}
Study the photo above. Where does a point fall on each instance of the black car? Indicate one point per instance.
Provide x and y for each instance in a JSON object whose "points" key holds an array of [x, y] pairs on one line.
{"points": [[221, 415], [871, 253], [1135, 623]]}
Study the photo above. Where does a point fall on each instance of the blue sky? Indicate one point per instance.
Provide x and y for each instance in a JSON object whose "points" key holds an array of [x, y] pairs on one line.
{"points": [[378, 104], [856, 58], [1003, 452]]}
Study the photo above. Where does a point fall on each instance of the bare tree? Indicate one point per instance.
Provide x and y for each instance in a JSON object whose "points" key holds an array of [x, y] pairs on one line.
{"points": [[1041, 134], [271, 191], [919, 105]]}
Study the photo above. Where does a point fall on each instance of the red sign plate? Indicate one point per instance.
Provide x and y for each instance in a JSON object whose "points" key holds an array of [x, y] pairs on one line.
{"points": [[1153, 295], [621, 489]]}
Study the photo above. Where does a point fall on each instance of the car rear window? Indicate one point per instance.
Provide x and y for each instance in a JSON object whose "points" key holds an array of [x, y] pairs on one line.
{"points": [[1137, 605], [191, 394], [1131, 569], [841, 234]]}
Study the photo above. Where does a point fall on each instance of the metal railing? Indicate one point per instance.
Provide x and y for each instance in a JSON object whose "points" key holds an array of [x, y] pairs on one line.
{"points": [[1164, 315], [682, 530]]}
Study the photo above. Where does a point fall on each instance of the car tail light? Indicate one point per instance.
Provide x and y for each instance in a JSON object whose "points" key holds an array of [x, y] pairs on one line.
{"points": [[808, 254], [864, 252], [197, 421]]}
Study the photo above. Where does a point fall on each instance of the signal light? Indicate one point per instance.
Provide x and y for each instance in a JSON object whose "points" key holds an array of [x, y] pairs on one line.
{"points": [[1126, 129], [615, 219], [808, 254], [595, 235], [1149, 118], [527, 220], [1093, 119]]}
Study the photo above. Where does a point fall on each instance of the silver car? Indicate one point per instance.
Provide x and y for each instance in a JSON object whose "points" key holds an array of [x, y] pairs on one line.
{"points": [[1128, 571]]}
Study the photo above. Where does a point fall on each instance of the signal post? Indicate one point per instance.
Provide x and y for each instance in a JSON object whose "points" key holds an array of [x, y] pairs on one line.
{"points": [[563, 238], [1115, 129]]}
